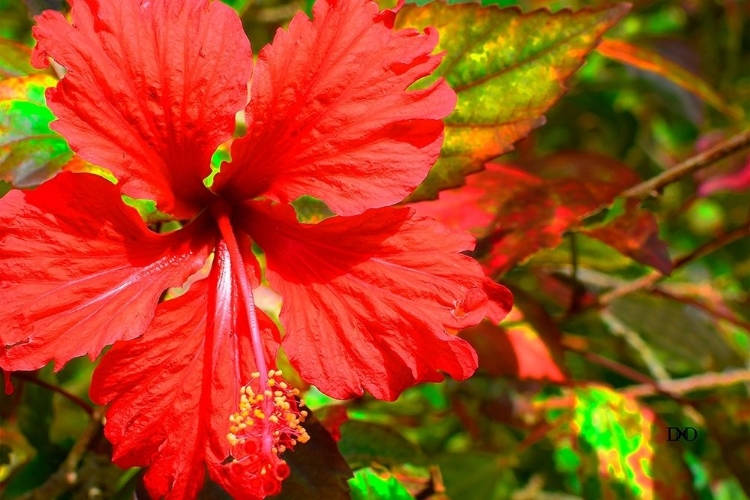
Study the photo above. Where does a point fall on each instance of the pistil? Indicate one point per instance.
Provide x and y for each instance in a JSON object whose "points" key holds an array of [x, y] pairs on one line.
{"points": [[221, 212]]}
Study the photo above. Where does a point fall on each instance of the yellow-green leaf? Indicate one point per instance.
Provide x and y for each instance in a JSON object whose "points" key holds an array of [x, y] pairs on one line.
{"points": [[30, 152], [14, 59], [508, 69]]}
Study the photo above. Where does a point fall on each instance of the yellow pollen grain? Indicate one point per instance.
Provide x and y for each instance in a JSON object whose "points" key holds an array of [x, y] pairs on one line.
{"points": [[271, 373], [274, 419], [255, 375]]}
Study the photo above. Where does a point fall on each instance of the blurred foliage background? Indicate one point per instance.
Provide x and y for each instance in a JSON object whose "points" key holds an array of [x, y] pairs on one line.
{"points": [[578, 386]]}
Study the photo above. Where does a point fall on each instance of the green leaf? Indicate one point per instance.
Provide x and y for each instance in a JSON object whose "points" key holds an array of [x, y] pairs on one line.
{"points": [[685, 338], [363, 443], [477, 475], [507, 68], [317, 468], [239, 6], [15, 59], [367, 485], [30, 152], [35, 414], [34, 472], [612, 447]]}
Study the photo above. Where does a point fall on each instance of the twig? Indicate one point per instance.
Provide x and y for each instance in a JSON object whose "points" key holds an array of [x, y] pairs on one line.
{"points": [[689, 384], [59, 390], [648, 281], [66, 476], [693, 164], [618, 368], [703, 307]]}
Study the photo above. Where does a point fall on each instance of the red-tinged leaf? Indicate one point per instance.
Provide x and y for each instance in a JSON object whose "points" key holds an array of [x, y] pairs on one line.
{"points": [[79, 270], [737, 180], [14, 59], [529, 206], [636, 234], [171, 391], [614, 448], [367, 298], [152, 89], [648, 60], [30, 152], [507, 68], [517, 352], [331, 418], [330, 95]]}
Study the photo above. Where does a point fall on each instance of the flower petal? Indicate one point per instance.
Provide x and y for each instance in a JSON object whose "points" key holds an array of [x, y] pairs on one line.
{"points": [[330, 115], [368, 298], [152, 89], [79, 270], [173, 389]]}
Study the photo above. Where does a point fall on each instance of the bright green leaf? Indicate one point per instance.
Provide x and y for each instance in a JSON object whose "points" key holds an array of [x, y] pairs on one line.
{"points": [[367, 485], [507, 68], [612, 447]]}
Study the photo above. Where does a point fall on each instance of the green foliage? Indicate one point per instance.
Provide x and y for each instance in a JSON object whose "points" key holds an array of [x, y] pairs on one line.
{"points": [[367, 485]]}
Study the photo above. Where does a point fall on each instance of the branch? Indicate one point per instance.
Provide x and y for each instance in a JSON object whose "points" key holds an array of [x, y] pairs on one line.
{"points": [[650, 280], [689, 384], [66, 476], [713, 311], [693, 164], [59, 390]]}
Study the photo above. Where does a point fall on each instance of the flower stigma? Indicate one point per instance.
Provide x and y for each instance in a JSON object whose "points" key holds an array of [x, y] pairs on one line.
{"points": [[254, 424]]}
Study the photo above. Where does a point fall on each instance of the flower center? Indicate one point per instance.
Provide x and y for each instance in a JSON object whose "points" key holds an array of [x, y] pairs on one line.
{"points": [[283, 420], [254, 423]]}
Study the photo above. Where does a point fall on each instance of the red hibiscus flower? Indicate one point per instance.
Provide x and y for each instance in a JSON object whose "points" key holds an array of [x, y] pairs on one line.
{"points": [[152, 88]]}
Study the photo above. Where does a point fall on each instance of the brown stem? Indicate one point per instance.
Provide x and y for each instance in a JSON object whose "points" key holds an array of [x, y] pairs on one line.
{"points": [[690, 384], [66, 476], [648, 281], [59, 390], [693, 164]]}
